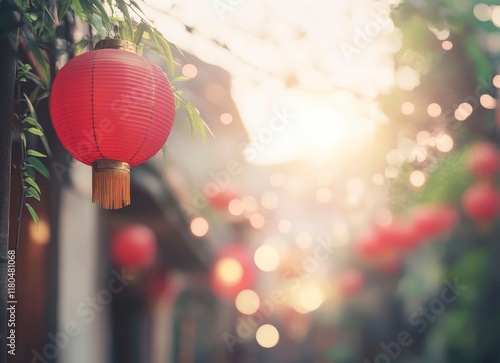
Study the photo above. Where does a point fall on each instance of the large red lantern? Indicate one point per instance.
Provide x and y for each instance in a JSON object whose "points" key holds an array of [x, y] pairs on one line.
{"points": [[133, 246], [112, 109]]}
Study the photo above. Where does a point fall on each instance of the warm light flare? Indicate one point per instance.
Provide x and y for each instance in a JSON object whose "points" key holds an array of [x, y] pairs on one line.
{"points": [[229, 271]]}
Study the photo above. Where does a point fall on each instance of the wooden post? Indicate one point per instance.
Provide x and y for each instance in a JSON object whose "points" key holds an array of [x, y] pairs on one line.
{"points": [[8, 61]]}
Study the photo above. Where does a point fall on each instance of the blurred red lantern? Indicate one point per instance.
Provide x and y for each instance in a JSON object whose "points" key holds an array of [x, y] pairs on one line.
{"points": [[370, 245], [112, 109], [399, 234], [133, 246], [432, 220], [484, 159], [233, 271], [481, 202], [351, 281]]}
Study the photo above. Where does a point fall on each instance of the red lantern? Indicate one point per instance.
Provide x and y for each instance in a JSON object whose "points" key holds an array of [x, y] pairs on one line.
{"points": [[370, 245], [484, 159], [112, 109], [431, 220], [399, 234], [233, 271], [481, 202], [133, 246]]}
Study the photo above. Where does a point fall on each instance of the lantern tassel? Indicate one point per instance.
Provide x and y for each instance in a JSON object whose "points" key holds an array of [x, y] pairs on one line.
{"points": [[110, 184]]}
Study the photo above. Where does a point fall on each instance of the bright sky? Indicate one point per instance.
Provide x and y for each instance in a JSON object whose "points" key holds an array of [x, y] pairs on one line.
{"points": [[323, 61]]}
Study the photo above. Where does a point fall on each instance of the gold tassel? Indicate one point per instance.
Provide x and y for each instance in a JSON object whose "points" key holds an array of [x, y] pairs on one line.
{"points": [[110, 184]]}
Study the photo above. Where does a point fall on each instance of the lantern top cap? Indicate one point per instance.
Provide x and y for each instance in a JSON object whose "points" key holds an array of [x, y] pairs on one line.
{"points": [[113, 43]]}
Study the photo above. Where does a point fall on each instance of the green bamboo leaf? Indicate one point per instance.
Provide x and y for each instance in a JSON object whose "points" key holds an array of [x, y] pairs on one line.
{"points": [[192, 122], [80, 46], [63, 7], [123, 7], [97, 23], [31, 192], [30, 172], [30, 120], [162, 46], [32, 152], [34, 78], [166, 50], [34, 215], [180, 79], [97, 5], [33, 45], [177, 101], [33, 183], [139, 32], [33, 114], [42, 96], [35, 131], [38, 166]]}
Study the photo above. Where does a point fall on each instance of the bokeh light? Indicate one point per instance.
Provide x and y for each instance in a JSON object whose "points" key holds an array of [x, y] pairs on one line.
{"points": [[463, 111], [40, 235], [257, 220], [236, 207], [226, 118], [434, 110], [407, 108], [482, 12], [267, 336], [269, 200], [247, 302], [303, 240], [417, 178], [267, 258], [447, 45], [444, 143], [488, 101], [189, 70], [229, 271], [199, 226], [311, 298]]}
